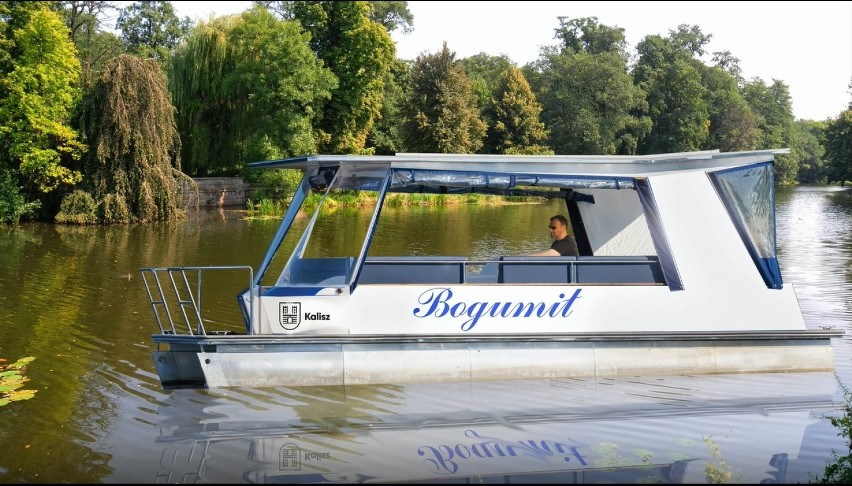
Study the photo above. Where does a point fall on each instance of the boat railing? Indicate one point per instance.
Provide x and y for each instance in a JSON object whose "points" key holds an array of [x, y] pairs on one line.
{"points": [[170, 291]]}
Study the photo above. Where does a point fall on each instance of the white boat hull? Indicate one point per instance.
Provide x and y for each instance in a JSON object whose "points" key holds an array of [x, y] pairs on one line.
{"points": [[289, 361]]}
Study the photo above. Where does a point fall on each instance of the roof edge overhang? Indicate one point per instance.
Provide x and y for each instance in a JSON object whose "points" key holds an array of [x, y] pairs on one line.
{"points": [[595, 165]]}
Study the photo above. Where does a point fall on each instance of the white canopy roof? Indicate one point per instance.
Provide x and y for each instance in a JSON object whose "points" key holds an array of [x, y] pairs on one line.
{"points": [[592, 165]]}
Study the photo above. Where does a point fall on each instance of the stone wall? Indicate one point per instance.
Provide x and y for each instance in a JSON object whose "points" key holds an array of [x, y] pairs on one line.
{"points": [[220, 192]]}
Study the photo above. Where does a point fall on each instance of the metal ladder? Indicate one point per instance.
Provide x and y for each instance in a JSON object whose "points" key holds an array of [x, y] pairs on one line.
{"points": [[176, 280]]}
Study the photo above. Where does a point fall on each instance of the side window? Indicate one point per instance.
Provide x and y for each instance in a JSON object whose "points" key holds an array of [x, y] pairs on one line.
{"points": [[748, 194]]}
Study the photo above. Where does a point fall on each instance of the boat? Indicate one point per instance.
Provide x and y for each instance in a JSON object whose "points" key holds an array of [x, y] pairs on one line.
{"points": [[676, 273]]}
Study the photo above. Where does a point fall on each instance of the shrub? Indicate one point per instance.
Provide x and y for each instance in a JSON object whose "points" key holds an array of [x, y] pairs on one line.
{"points": [[78, 207], [114, 209], [13, 204]]}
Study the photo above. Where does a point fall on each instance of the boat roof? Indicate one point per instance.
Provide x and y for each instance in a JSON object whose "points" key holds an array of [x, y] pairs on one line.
{"points": [[593, 165]]}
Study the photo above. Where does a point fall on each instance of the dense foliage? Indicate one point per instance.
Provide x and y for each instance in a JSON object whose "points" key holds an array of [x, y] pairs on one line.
{"points": [[39, 72], [360, 52], [286, 78], [440, 115], [838, 147], [839, 469], [151, 29], [246, 87], [516, 127], [132, 167], [590, 103]]}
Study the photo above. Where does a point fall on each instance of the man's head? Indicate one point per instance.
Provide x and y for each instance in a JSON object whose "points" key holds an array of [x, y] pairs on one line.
{"points": [[558, 227]]}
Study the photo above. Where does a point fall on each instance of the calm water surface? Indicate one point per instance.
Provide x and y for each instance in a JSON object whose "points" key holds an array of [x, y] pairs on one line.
{"points": [[72, 298]]}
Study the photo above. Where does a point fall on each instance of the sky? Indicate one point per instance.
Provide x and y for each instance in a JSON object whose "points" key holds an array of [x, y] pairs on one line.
{"points": [[807, 45]]}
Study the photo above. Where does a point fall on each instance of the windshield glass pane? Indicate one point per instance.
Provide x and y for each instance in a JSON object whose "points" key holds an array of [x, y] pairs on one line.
{"points": [[330, 247]]}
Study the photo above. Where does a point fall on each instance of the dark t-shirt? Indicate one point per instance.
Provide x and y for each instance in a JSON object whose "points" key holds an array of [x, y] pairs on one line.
{"points": [[566, 246]]}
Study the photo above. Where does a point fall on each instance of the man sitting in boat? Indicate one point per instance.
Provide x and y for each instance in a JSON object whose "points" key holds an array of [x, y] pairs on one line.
{"points": [[563, 244]]}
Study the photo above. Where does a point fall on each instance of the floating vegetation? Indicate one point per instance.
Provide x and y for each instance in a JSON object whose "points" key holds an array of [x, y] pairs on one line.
{"points": [[12, 380]]}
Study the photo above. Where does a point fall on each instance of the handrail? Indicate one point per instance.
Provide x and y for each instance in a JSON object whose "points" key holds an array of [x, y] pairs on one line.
{"points": [[182, 293]]}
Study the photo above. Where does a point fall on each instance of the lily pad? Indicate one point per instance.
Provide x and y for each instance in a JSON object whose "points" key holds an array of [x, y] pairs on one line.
{"points": [[12, 380]]}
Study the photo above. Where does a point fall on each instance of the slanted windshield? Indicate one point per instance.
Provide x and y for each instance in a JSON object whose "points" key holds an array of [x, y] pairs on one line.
{"points": [[331, 246], [749, 197]]}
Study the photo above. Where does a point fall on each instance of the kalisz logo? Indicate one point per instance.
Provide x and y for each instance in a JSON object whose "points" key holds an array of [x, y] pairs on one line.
{"points": [[289, 458], [290, 314]]}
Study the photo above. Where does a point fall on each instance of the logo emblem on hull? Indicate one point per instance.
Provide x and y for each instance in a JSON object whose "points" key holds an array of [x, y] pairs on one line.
{"points": [[289, 457], [290, 314]]}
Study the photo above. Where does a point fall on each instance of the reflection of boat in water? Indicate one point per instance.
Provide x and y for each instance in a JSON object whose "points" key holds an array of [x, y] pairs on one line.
{"points": [[676, 273], [765, 428]]}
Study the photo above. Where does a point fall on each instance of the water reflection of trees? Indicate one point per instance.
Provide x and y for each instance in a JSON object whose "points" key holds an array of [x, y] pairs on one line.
{"points": [[72, 297]]}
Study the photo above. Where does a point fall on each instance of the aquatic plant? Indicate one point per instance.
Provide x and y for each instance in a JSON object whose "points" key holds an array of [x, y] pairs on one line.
{"points": [[839, 470], [720, 472], [12, 380], [265, 208]]}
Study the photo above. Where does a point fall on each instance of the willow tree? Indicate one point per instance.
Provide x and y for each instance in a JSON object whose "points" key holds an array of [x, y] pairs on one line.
{"points": [[246, 87], [132, 167], [207, 117]]}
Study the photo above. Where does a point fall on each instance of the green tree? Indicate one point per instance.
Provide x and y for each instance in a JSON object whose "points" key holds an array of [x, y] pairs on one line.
{"points": [[391, 15], [589, 102], [774, 110], [677, 100], [810, 142], [838, 147], [209, 114], [586, 34], [133, 170], [385, 138], [246, 87], [484, 72], [151, 28], [39, 72], [730, 64], [440, 115], [281, 83], [359, 51], [733, 126], [95, 43], [517, 128]]}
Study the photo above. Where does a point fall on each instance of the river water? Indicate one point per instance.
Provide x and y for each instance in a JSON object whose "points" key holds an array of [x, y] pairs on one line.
{"points": [[72, 298]]}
